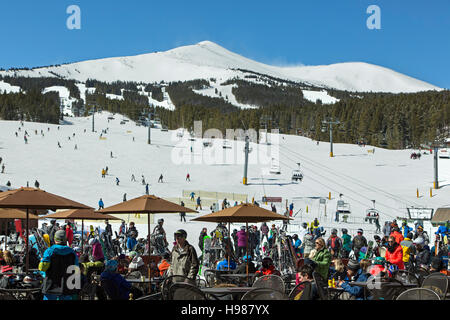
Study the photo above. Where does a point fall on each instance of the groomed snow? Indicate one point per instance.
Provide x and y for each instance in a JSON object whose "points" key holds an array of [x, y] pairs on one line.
{"points": [[390, 177], [319, 95]]}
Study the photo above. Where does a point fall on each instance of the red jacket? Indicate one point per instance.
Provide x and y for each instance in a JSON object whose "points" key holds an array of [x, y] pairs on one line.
{"points": [[69, 235], [267, 271], [398, 236], [396, 257]]}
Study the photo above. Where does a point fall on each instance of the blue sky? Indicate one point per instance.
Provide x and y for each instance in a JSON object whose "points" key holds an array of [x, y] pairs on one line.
{"points": [[414, 38]]}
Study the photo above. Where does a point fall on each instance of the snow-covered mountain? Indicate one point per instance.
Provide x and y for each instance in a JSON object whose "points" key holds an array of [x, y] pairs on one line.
{"points": [[207, 60]]}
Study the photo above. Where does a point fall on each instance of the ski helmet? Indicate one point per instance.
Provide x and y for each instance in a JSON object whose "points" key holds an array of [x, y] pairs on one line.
{"points": [[360, 231]]}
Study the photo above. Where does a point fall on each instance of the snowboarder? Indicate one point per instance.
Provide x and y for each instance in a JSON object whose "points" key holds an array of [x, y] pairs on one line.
{"points": [[160, 179], [117, 181], [101, 204]]}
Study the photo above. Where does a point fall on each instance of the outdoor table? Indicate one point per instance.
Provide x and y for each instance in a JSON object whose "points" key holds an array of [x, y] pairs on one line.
{"points": [[145, 281], [385, 284], [236, 292], [335, 293], [239, 276]]}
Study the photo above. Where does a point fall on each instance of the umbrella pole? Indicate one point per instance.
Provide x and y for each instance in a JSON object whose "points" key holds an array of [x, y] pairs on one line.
{"points": [[27, 263], [246, 249], [82, 230], [229, 249]]}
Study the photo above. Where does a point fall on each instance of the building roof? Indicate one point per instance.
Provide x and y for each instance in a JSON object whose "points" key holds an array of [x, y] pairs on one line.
{"points": [[441, 215]]}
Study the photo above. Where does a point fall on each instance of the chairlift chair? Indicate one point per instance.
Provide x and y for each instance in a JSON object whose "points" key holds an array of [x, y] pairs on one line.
{"points": [[343, 207], [274, 168], [297, 174]]}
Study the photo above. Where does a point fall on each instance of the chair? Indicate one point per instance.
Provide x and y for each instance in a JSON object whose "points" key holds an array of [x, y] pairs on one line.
{"points": [[302, 291], [155, 296], [264, 294], [422, 273], [385, 290], [169, 281], [201, 283], [270, 282], [407, 277], [418, 294], [437, 282], [322, 286], [186, 291]]}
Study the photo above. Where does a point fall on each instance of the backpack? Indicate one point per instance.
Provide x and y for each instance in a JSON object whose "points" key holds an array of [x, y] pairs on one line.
{"points": [[358, 242]]}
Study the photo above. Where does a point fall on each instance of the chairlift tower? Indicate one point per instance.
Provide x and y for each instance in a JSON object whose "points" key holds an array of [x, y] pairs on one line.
{"points": [[246, 159], [436, 145], [264, 120], [331, 122]]}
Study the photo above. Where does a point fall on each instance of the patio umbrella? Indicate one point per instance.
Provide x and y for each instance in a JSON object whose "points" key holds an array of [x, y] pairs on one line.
{"points": [[246, 212], [148, 204], [80, 214], [35, 199]]}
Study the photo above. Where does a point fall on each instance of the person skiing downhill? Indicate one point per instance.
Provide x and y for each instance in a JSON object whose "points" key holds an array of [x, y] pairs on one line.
{"points": [[188, 177], [160, 179], [101, 205]]}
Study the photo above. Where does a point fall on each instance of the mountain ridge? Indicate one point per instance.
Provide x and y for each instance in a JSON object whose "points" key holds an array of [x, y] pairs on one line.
{"points": [[207, 59]]}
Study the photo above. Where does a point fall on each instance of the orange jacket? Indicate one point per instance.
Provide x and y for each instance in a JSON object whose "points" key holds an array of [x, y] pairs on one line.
{"points": [[398, 236], [163, 266], [396, 257], [268, 271]]}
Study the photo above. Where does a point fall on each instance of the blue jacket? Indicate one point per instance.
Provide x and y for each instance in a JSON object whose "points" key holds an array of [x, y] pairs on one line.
{"points": [[60, 250], [358, 292], [406, 230], [131, 243], [100, 203], [122, 285], [223, 265]]}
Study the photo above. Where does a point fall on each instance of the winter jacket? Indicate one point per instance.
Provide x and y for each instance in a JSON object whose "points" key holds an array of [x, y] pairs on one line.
{"points": [[122, 286], [267, 271], [69, 236], [398, 236], [359, 242], [97, 252], [422, 257], [242, 238], [264, 229], [357, 292], [424, 235], [201, 240], [406, 247], [334, 243], [323, 260], [184, 262], [405, 230], [396, 257], [308, 244], [163, 266], [387, 229], [347, 242], [223, 265]]}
